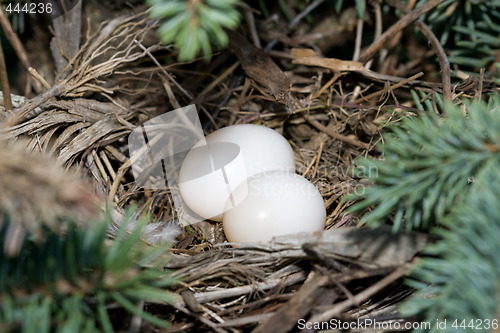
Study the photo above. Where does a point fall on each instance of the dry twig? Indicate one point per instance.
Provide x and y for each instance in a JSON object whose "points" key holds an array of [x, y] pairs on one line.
{"points": [[443, 59], [18, 48], [398, 26], [4, 81]]}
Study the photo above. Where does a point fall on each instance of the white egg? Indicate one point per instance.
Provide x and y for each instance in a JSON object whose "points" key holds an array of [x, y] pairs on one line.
{"points": [[212, 171], [274, 203]]}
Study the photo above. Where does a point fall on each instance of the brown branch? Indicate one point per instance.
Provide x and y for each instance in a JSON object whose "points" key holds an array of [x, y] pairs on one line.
{"points": [[397, 27], [443, 59], [378, 32], [478, 92], [40, 78], [4, 81], [18, 48], [251, 24], [359, 37], [338, 308]]}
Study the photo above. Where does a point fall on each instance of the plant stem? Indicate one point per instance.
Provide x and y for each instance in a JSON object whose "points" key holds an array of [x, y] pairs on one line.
{"points": [[4, 81]]}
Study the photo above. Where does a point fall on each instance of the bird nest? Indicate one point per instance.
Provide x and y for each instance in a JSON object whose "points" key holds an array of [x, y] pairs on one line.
{"points": [[331, 111]]}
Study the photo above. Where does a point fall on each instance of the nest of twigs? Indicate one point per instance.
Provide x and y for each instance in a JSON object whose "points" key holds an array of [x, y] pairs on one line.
{"points": [[331, 112]]}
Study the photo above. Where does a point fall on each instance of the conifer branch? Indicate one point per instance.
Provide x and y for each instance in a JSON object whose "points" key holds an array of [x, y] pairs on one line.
{"points": [[66, 282], [442, 174], [194, 25], [459, 283], [429, 164]]}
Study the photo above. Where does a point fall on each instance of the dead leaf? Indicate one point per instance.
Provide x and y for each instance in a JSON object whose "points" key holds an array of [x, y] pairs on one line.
{"points": [[310, 58], [259, 66]]}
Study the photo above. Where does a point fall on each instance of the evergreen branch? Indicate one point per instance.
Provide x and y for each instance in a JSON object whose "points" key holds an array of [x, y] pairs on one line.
{"points": [[468, 29], [193, 24], [52, 280], [464, 269], [433, 103], [429, 163], [445, 171]]}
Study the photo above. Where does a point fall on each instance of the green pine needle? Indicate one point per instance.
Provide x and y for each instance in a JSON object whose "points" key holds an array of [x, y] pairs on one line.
{"points": [[47, 287], [460, 282], [429, 163], [442, 174], [469, 31], [193, 26]]}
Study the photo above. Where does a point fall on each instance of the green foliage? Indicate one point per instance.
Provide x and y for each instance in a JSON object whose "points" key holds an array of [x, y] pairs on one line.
{"points": [[464, 270], [64, 283], [432, 102], [17, 19], [442, 174], [193, 25], [429, 163], [360, 6], [469, 29]]}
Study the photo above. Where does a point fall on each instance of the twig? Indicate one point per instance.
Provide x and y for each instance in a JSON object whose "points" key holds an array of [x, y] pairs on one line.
{"points": [[395, 86], [479, 91], [309, 166], [343, 221], [4, 80], [18, 47], [397, 27], [359, 36], [378, 32], [334, 78], [246, 320], [119, 175], [171, 78], [338, 308], [251, 24], [304, 13], [167, 74], [334, 134], [100, 166], [261, 286], [200, 318], [218, 80], [40, 78], [443, 59], [318, 159], [171, 96], [297, 307], [294, 22]]}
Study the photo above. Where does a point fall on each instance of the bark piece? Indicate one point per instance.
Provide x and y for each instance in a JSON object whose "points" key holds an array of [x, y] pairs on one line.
{"points": [[259, 66]]}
